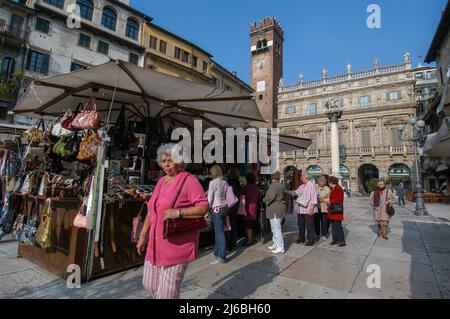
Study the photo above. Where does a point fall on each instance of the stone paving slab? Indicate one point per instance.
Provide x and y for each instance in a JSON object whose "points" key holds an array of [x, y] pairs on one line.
{"points": [[397, 287], [325, 274]]}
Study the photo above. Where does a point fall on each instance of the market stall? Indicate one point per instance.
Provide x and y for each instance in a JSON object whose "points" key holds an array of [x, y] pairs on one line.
{"points": [[98, 173]]}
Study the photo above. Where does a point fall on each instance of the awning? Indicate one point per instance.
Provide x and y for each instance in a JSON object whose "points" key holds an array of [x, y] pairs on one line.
{"points": [[144, 92], [438, 144]]}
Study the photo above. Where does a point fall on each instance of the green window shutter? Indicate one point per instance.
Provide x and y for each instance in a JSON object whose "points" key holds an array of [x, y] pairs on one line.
{"points": [[28, 60], [45, 64]]}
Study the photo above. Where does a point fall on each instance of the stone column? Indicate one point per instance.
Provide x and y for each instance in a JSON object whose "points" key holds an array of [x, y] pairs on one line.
{"points": [[352, 141], [335, 162]]}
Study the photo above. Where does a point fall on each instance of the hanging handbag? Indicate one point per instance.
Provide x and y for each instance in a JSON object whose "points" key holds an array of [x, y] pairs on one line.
{"points": [[35, 134], [67, 124], [138, 223], [28, 183], [88, 146], [83, 217], [58, 130], [73, 144], [45, 181], [32, 224], [173, 227], [44, 231], [18, 183], [87, 119], [18, 227], [390, 210]]}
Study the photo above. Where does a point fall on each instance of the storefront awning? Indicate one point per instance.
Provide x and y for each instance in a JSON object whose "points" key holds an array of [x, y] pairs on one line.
{"points": [[438, 144], [144, 92]]}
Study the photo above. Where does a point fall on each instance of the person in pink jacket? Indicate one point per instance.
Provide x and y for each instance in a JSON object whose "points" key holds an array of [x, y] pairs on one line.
{"points": [[166, 260]]}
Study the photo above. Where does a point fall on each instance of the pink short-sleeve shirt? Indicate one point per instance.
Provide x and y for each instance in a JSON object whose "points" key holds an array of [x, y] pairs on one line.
{"points": [[181, 248]]}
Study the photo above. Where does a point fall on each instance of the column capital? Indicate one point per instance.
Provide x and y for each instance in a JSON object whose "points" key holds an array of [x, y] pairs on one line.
{"points": [[334, 116]]}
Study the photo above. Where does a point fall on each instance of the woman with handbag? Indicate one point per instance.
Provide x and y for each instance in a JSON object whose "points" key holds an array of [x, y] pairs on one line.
{"points": [[217, 193], [336, 212], [178, 198], [382, 201], [306, 207]]}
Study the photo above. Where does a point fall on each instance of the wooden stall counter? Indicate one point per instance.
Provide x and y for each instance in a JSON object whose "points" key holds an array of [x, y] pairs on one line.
{"points": [[114, 252]]}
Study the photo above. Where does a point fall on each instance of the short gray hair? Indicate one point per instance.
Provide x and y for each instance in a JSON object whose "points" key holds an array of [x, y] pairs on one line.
{"points": [[322, 179], [306, 175], [166, 149]]}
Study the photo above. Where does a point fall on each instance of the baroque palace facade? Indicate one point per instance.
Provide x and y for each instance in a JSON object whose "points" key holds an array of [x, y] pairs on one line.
{"points": [[374, 101]]}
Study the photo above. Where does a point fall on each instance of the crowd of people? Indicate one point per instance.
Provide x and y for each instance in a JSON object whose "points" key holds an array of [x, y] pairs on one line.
{"points": [[179, 196]]}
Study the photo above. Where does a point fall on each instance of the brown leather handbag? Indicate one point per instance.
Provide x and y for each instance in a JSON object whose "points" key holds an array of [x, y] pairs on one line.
{"points": [[173, 227], [390, 210]]}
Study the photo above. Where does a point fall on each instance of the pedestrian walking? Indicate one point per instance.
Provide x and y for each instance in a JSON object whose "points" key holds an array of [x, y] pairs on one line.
{"points": [[251, 194], [275, 212], [305, 207], [336, 212], [178, 194], [217, 199], [380, 198], [323, 193], [233, 177], [401, 194]]}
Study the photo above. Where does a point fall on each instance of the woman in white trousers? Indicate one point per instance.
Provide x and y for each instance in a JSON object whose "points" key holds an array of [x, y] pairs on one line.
{"points": [[275, 212]]}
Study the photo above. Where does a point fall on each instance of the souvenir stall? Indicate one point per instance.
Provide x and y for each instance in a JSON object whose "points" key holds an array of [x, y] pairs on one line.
{"points": [[83, 178]]}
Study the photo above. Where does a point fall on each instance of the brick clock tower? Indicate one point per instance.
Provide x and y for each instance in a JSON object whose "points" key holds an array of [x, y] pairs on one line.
{"points": [[267, 65]]}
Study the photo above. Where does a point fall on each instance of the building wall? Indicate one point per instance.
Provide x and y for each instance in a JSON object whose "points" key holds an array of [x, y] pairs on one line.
{"points": [[379, 119], [62, 42], [443, 60], [169, 56]]}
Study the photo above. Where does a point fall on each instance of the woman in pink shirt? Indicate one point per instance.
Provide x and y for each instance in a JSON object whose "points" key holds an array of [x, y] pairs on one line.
{"points": [[166, 260]]}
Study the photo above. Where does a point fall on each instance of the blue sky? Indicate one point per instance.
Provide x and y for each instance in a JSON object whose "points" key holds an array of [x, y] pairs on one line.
{"points": [[318, 33]]}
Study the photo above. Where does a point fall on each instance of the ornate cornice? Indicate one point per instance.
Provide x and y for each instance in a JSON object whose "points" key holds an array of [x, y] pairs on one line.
{"points": [[351, 113]]}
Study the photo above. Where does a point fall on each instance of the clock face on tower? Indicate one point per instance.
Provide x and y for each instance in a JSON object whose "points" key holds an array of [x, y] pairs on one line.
{"points": [[258, 64]]}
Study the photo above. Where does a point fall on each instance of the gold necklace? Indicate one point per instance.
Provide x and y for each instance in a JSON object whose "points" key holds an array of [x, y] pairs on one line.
{"points": [[169, 179]]}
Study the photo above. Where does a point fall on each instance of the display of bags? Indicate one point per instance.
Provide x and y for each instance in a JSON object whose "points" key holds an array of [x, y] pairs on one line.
{"points": [[44, 231], [138, 223], [88, 146], [58, 130], [87, 119]]}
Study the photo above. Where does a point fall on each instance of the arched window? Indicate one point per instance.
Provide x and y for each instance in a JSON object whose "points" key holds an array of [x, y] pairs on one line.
{"points": [[132, 30], [314, 170], [86, 9], [109, 19]]}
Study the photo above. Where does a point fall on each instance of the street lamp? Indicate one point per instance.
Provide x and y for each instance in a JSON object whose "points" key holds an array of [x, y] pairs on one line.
{"points": [[417, 138]]}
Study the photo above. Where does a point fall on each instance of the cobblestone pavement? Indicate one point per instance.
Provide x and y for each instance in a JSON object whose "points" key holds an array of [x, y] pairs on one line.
{"points": [[414, 262]]}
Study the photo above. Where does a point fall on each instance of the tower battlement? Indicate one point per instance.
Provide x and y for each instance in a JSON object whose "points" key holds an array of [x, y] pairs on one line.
{"points": [[267, 22]]}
